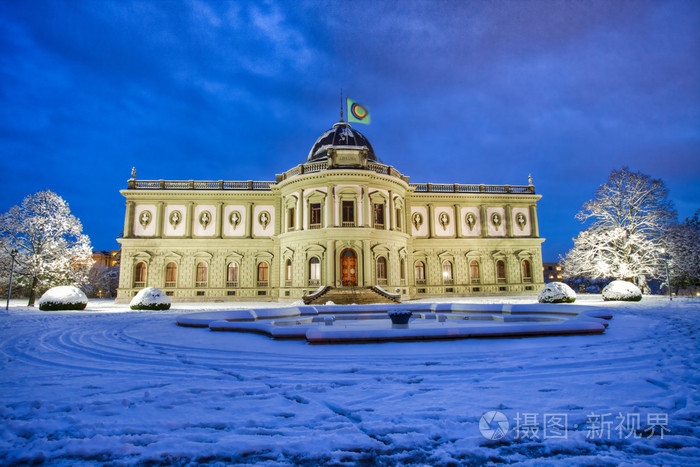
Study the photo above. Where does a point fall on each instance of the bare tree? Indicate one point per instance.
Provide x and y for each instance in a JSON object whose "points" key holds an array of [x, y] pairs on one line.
{"points": [[52, 250], [629, 215], [683, 246]]}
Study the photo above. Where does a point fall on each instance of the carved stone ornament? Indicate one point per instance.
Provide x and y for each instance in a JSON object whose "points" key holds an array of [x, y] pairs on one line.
{"points": [[417, 220], [471, 220], [205, 218], [234, 218], [521, 220], [145, 218], [496, 219], [264, 219], [175, 218], [444, 220]]}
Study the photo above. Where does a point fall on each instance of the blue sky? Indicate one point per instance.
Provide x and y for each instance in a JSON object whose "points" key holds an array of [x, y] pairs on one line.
{"points": [[459, 91]]}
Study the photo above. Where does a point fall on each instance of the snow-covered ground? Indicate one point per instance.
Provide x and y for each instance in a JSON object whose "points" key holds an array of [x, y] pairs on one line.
{"points": [[110, 385]]}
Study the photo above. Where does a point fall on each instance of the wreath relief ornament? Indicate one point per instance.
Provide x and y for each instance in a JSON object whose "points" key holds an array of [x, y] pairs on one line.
{"points": [[145, 218], [521, 220], [175, 218], [264, 219], [205, 219], [444, 220], [417, 220], [496, 219], [234, 218], [471, 220]]}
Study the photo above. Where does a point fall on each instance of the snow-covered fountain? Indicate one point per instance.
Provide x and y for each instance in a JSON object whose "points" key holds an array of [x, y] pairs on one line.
{"points": [[331, 324]]}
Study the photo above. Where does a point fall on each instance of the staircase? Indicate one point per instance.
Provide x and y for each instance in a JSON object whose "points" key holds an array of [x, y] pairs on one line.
{"points": [[350, 295]]}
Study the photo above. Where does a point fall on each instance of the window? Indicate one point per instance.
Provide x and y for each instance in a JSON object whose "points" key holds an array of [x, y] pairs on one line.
{"points": [[315, 222], [501, 271], [348, 211], [314, 272], [397, 220], [402, 271], [290, 218], [447, 272], [381, 271], [527, 273], [171, 275], [232, 275], [288, 272], [263, 274], [474, 272], [420, 273], [140, 275], [378, 216], [201, 275]]}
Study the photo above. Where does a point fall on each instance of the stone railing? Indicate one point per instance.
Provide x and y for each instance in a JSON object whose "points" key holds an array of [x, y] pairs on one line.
{"points": [[198, 185], [323, 165], [457, 188]]}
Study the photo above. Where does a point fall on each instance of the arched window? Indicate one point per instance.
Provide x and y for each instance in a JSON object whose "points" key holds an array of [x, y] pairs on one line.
{"points": [[171, 275], [474, 272], [420, 273], [447, 273], [314, 272], [201, 275], [527, 271], [288, 271], [263, 274], [402, 272], [381, 271], [140, 275], [232, 275], [501, 271]]}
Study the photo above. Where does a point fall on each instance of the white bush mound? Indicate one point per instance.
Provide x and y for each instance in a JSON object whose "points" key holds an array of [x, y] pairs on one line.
{"points": [[150, 298], [557, 292], [622, 291], [65, 297]]}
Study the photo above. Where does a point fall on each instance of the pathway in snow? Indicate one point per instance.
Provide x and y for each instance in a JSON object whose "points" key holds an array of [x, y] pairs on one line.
{"points": [[107, 385]]}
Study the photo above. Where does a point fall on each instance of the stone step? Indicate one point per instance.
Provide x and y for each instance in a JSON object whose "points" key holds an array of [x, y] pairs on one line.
{"points": [[348, 296]]}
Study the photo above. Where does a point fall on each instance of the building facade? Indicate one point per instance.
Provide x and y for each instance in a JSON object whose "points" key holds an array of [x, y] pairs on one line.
{"points": [[340, 219]]}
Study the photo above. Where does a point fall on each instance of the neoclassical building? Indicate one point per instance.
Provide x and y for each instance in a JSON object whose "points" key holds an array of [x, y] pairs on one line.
{"points": [[340, 219]]}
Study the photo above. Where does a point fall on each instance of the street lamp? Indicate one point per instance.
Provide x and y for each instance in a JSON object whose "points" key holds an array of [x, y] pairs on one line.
{"points": [[13, 253], [668, 275]]}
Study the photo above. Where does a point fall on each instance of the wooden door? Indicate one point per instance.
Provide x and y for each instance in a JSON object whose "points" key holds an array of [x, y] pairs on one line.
{"points": [[348, 266]]}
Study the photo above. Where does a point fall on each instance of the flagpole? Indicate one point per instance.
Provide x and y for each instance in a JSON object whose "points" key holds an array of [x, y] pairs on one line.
{"points": [[341, 104]]}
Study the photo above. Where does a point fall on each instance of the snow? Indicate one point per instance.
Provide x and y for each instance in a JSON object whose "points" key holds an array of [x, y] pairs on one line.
{"points": [[622, 290], [110, 386], [150, 297], [63, 295], [556, 292]]}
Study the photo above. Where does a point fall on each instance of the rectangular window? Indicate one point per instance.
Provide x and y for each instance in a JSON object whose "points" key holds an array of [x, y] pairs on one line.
{"points": [[379, 216], [348, 210], [397, 220], [290, 218], [231, 292], [315, 222]]}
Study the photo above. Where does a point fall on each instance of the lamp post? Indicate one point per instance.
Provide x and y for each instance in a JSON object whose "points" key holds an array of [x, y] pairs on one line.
{"points": [[668, 274], [13, 253]]}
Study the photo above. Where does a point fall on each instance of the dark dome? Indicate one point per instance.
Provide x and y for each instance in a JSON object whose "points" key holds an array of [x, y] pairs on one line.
{"points": [[340, 135]]}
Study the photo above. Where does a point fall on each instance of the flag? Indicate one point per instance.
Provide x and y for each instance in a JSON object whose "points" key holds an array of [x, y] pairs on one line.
{"points": [[357, 113]]}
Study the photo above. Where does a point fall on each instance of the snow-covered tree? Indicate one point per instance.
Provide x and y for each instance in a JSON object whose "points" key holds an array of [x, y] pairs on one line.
{"points": [[683, 246], [51, 247], [102, 281], [629, 215]]}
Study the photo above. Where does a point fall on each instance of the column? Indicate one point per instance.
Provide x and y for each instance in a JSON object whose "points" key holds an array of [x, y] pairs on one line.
{"points": [[300, 210], [219, 220], [431, 221], [534, 229], [129, 219], [329, 207], [365, 205], [458, 221], [509, 221], [330, 263], [484, 221], [391, 215], [367, 260], [159, 221], [190, 220]]}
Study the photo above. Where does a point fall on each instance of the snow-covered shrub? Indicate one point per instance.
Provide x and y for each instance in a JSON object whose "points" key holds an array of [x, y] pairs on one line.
{"points": [[622, 291], [65, 297], [150, 298], [557, 292]]}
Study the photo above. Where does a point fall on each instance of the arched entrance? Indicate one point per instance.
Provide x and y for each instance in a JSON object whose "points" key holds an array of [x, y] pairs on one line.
{"points": [[348, 268]]}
